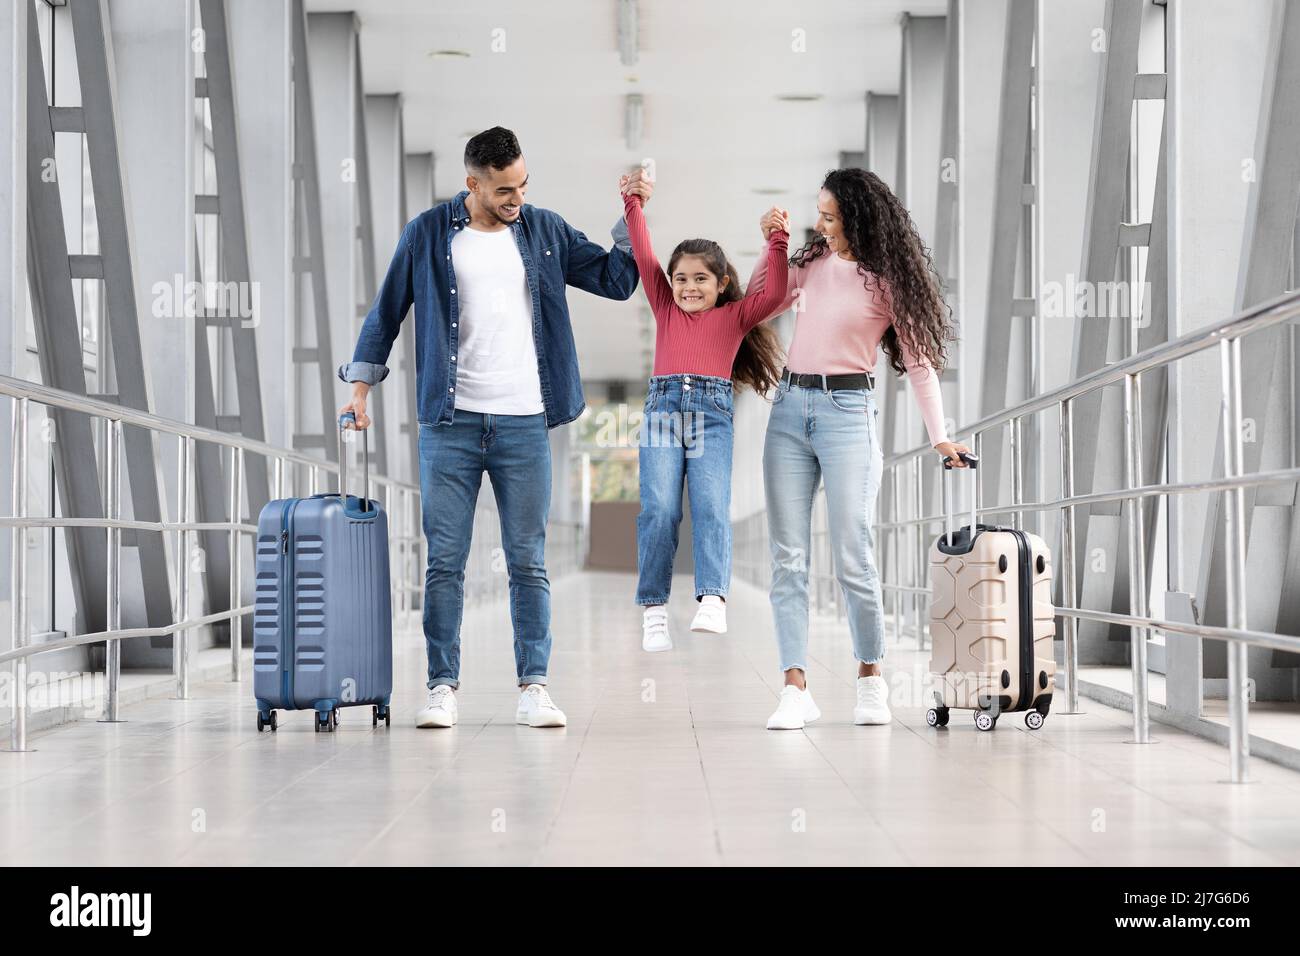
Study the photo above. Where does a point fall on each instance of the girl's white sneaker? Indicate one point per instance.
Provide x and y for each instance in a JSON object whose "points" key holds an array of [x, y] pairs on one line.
{"points": [[654, 629], [711, 618]]}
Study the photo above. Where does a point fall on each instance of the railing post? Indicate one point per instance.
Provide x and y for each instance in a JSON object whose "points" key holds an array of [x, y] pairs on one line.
{"points": [[181, 636], [236, 590], [1067, 559], [922, 552], [897, 554], [1235, 562], [113, 603], [18, 576], [1017, 474], [1136, 559]]}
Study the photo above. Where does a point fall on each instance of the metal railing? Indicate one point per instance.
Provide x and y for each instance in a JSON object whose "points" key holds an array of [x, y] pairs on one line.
{"points": [[1226, 335], [405, 540]]}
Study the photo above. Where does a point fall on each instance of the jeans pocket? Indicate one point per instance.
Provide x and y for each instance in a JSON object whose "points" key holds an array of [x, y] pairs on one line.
{"points": [[850, 400], [723, 402], [781, 389]]}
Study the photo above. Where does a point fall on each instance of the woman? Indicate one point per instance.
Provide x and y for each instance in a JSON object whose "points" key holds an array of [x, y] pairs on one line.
{"points": [[864, 281]]}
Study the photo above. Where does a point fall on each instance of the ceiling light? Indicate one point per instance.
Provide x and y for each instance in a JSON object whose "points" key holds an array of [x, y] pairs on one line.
{"points": [[633, 120], [628, 41], [439, 54], [769, 191], [799, 97]]}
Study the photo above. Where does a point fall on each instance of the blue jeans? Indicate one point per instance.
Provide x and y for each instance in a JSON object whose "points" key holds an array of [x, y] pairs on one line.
{"points": [[515, 451], [815, 435], [686, 436]]}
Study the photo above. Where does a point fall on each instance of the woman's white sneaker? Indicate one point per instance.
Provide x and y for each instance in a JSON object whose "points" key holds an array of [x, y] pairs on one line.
{"points": [[873, 701], [654, 629], [795, 709], [536, 709], [440, 710], [711, 618]]}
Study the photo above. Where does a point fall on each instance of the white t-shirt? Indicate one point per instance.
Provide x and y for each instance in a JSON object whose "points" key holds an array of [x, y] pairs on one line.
{"points": [[496, 360]]}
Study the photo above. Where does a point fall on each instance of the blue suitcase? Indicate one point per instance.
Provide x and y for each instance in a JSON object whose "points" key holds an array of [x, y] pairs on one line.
{"points": [[322, 621]]}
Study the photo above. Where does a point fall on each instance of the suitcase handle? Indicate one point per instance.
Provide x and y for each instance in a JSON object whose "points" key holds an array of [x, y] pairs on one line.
{"points": [[972, 461], [349, 420]]}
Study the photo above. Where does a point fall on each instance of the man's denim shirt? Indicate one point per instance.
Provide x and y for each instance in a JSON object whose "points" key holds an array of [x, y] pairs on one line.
{"points": [[555, 255]]}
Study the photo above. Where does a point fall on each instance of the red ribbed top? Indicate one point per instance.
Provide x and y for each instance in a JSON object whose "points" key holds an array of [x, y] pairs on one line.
{"points": [[701, 343]]}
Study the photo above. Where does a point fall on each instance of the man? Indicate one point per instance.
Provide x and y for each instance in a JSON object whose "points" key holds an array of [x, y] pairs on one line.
{"points": [[496, 368]]}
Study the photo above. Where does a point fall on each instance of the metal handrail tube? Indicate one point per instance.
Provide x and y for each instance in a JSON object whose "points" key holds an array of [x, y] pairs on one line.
{"points": [[1275, 311], [1259, 479], [57, 398], [125, 633]]}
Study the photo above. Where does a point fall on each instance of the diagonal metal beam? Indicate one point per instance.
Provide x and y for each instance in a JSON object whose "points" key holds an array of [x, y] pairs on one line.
{"points": [[313, 263], [59, 350], [98, 85], [1266, 261], [219, 90]]}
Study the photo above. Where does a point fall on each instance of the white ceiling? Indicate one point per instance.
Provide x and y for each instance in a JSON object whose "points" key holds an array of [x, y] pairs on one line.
{"points": [[710, 74]]}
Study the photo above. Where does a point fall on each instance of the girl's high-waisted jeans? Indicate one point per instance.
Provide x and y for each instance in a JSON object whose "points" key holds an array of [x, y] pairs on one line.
{"points": [[685, 438], [816, 435]]}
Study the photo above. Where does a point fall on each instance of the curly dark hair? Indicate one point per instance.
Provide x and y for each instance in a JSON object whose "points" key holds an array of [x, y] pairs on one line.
{"points": [[494, 148], [886, 245], [758, 361]]}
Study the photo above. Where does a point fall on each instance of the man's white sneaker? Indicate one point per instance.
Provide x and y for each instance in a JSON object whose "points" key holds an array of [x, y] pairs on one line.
{"points": [[536, 709], [440, 710], [795, 709], [654, 629], [873, 701], [711, 618]]}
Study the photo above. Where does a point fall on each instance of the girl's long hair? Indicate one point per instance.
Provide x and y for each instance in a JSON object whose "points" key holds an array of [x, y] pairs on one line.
{"points": [[886, 245], [758, 362]]}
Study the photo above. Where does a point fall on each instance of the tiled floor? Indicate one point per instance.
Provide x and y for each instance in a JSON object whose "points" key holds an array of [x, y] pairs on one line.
{"points": [[665, 760]]}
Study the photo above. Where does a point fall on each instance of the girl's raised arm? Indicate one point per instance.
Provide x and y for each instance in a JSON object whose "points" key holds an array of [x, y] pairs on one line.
{"points": [[656, 285], [768, 292]]}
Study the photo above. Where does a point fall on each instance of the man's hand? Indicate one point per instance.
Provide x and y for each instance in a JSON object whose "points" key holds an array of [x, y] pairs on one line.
{"points": [[774, 219], [638, 183], [358, 404]]}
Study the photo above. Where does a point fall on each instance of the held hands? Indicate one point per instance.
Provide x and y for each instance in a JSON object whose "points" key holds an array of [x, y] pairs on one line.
{"points": [[639, 183], [775, 219], [952, 451], [358, 404]]}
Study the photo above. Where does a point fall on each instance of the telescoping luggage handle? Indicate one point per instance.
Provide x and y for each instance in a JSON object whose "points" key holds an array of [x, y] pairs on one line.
{"points": [[349, 420], [972, 461]]}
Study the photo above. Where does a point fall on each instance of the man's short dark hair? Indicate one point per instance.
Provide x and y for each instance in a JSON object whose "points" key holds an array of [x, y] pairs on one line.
{"points": [[496, 147]]}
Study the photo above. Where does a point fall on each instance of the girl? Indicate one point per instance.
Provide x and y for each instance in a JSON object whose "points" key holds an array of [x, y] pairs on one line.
{"points": [[865, 281], [707, 334]]}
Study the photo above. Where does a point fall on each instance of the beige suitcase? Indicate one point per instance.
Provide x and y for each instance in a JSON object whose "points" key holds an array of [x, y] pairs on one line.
{"points": [[991, 620]]}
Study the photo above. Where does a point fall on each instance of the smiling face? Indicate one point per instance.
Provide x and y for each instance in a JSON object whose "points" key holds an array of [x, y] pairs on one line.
{"points": [[830, 225], [499, 193], [695, 286]]}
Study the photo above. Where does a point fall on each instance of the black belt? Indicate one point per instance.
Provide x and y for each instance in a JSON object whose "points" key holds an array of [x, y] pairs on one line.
{"points": [[827, 382]]}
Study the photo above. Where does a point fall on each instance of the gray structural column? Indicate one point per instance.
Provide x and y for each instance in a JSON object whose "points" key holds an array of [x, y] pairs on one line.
{"points": [[261, 79], [881, 153], [154, 71], [1266, 169], [387, 184], [13, 243], [420, 187]]}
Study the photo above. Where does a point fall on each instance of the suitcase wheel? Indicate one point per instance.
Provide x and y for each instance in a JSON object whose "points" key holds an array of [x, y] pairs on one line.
{"points": [[984, 720], [327, 722], [1034, 720], [380, 712], [937, 716], [265, 721]]}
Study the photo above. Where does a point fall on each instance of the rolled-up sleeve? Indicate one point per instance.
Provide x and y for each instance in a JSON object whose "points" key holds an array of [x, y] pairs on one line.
{"points": [[384, 320]]}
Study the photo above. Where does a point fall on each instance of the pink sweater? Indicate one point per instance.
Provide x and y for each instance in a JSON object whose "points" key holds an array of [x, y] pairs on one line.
{"points": [[839, 325], [699, 343]]}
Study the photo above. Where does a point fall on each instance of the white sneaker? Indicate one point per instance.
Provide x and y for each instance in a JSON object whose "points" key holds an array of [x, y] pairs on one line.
{"points": [[711, 618], [440, 711], [873, 701], [795, 709], [536, 709], [654, 629]]}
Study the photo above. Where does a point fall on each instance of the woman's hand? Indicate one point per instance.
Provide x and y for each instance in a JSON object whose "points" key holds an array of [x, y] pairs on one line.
{"points": [[774, 219], [951, 450]]}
